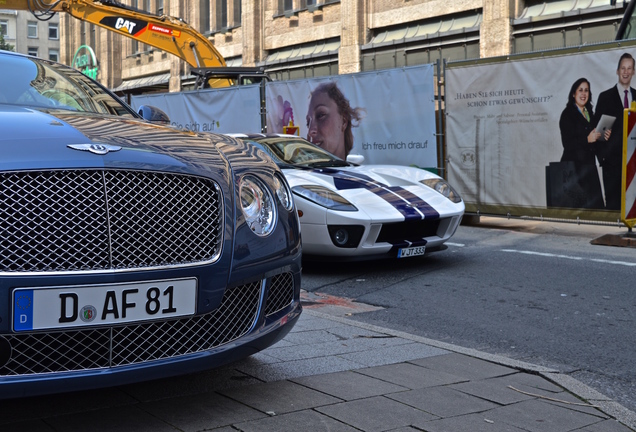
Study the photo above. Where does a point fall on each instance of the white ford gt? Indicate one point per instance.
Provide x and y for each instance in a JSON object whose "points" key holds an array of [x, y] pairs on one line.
{"points": [[353, 212]]}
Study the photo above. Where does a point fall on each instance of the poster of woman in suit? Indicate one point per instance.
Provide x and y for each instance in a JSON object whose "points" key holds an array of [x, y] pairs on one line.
{"points": [[580, 140]]}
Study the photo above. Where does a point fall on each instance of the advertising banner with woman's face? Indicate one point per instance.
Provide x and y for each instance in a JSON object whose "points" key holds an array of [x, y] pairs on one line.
{"points": [[387, 116], [527, 135]]}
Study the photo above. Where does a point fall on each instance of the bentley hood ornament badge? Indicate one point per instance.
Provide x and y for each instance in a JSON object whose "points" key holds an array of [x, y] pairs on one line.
{"points": [[100, 149]]}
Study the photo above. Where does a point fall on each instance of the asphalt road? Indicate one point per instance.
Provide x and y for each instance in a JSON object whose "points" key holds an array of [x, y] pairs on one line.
{"points": [[530, 291]]}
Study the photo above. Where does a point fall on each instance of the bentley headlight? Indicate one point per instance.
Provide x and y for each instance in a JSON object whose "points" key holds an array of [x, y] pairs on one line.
{"points": [[441, 186], [257, 205], [282, 193], [324, 197]]}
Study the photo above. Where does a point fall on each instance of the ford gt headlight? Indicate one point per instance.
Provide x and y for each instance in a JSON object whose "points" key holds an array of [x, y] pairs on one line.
{"points": [[257, 205], [324, 197], [441, 186], [283, 193]]}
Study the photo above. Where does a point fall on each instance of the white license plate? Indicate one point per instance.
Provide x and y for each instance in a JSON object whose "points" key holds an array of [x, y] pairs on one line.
{"points": [[93, 305], [412, 251]]}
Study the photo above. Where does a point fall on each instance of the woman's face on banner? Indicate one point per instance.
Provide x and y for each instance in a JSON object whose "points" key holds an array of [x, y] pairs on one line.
{"points": [[582, 94], [325, 125]]}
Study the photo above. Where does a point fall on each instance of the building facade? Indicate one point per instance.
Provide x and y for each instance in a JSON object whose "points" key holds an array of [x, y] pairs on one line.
{"points": [[294, 39], [29, 35]]}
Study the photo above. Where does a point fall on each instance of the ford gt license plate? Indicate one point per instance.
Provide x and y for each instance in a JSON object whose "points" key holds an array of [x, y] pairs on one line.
{"points": [[412, 251], [91, 305]]}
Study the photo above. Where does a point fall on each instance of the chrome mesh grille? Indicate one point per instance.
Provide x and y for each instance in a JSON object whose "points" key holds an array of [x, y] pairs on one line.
{"points": [[95, 220], [74, 350], [281, 293]]}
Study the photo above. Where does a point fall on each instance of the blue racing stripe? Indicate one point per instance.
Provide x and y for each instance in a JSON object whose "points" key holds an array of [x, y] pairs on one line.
{"points": [[401, 199], [423, 206]]}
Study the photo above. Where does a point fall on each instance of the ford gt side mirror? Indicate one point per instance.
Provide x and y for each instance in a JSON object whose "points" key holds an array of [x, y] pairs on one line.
{"points": [[355, 159]]}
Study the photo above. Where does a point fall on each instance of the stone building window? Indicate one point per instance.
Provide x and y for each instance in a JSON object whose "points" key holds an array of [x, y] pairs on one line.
{"points": [[32, 51], [286, 5], [92, 38], [54, 55], [292, 7], [32, 29], [87, 29], [221, 17], [4, 28], [53, 31], [227, 15], [133, 43], [204, 16], [136, 47]]}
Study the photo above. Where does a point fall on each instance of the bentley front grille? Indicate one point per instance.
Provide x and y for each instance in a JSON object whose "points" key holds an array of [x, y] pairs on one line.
{"points": [[93, 348], [74, 220]]}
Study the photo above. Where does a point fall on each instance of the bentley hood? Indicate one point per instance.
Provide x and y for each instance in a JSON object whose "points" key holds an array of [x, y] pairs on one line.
{"points": [[35, 139]]}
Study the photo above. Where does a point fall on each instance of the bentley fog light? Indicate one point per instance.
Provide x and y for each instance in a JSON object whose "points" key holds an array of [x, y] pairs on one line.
{"points": [[257, 205], [443, 187]]}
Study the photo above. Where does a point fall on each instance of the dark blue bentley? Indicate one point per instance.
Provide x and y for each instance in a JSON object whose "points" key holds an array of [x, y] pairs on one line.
{"points": [[130, 250]]}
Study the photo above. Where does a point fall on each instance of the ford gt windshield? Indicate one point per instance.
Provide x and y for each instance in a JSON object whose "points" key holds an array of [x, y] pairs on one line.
{"points": [[298, 152]]}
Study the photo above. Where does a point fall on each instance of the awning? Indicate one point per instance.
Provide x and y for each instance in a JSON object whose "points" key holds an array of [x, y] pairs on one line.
{"points": [[303, 52], [234, 61], [423, 30], [549, 9], [162, 80], [148, 81]]}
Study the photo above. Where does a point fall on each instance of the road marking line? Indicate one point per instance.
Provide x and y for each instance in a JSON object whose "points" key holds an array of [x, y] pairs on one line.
{"points": [[570, 257], [613, 262]]}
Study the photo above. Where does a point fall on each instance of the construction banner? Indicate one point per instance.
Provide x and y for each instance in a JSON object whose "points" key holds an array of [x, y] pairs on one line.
{"points": [[225, 110], [389, 115], [540, 135]]}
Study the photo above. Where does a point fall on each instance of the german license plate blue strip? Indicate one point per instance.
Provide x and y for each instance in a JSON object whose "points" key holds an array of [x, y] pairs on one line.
{"points": [[23, 310]]}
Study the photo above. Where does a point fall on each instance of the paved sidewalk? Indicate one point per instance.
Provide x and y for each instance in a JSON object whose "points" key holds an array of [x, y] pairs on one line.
{"points": [[334, 374]]}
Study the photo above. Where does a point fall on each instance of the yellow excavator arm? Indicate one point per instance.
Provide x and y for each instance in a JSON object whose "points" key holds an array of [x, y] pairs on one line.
{"points": [[163, 32]]}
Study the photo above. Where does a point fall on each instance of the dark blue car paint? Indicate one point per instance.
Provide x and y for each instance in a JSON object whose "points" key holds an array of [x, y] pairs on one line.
{"points": [[35, 139]]}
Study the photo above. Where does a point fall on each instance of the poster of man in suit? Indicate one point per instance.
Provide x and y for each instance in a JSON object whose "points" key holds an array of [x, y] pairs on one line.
{"points": [[612, 102], [503, 131]]}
